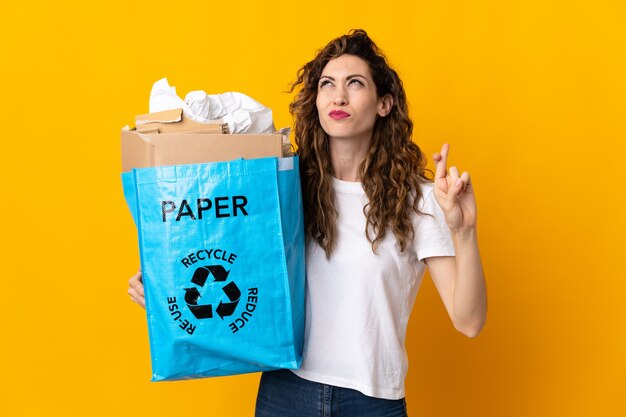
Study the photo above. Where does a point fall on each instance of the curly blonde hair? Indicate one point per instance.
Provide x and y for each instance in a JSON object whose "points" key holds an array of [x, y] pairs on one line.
{"points": [[391, 172]]}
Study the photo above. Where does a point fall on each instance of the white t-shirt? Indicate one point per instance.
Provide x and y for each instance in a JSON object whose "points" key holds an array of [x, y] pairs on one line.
{"points": [[358, 303]]}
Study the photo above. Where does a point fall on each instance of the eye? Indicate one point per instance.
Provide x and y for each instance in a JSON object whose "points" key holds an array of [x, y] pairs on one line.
{"points": [[355, 81], [324, 83]]}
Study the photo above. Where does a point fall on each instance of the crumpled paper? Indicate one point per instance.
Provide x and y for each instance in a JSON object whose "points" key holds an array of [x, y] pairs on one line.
{"points": [[242, 113]]}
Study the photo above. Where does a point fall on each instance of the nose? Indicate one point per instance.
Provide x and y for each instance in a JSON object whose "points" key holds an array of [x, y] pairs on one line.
{"points": [[340, 98]]}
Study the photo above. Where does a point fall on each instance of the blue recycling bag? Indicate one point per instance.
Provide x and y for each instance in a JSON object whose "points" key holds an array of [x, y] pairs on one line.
{"points": [[222, 256]]}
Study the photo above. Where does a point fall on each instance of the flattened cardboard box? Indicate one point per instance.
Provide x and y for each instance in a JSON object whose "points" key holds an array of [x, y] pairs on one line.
{"points": [[175, 121], [150, 150]]}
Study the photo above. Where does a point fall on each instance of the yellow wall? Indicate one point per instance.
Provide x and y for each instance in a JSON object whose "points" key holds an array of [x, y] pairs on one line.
{"points": [[531, 95]]}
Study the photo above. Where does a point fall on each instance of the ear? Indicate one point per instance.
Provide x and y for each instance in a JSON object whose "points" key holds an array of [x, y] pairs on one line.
{"points": [[385, 104]]}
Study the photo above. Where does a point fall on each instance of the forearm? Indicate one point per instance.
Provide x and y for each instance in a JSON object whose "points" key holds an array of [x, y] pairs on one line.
{"points": [[470, 295]]}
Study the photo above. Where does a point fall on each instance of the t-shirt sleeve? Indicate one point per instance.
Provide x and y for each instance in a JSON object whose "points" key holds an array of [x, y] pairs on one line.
{"points": [[432, 235]]}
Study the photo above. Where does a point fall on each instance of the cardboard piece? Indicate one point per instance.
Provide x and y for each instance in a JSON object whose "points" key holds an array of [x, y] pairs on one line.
{"points": [[149, 150], [173, 121]]}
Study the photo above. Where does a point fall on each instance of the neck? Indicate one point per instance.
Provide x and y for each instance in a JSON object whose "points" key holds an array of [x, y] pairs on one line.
{"points": [[346, 155]]}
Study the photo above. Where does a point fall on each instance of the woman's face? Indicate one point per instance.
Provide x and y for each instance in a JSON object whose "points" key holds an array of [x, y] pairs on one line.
{"points": [[347, 102]]}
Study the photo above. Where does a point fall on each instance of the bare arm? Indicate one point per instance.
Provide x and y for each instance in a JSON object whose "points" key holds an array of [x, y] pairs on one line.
{"points": [[461, 284], [459, 279]]}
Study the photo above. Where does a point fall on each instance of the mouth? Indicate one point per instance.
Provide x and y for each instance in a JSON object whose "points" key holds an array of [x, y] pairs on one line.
{"points": [[338, 114]]}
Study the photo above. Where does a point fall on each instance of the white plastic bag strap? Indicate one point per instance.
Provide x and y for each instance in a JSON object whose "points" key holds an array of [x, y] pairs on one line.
{"points": [[285, 164]]}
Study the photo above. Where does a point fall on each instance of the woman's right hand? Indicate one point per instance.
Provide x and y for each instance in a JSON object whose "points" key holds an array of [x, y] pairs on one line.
{"points": [[135, 289]]}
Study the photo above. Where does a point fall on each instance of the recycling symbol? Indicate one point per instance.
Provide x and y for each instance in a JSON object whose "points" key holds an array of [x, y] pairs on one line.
{"points": [[200, 277]]}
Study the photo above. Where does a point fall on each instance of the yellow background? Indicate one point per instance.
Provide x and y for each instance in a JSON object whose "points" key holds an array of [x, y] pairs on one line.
{"points": [[531, 95]]}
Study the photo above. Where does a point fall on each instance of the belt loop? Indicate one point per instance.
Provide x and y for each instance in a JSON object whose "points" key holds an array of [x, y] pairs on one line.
{"points": [[328, 399]]}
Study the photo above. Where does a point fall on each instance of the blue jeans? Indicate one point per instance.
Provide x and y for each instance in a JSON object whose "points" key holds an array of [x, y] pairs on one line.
{"points": [[284, 394]]}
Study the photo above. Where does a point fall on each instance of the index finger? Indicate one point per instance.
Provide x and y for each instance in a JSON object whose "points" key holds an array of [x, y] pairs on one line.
{"points": [[440, 167]]}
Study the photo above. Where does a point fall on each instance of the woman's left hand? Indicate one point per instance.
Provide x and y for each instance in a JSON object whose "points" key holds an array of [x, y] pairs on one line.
{"points": [[454, 193]]}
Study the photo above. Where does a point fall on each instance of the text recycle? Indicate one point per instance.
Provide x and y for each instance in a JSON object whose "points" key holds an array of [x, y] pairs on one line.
{"points": [[211, 275]]}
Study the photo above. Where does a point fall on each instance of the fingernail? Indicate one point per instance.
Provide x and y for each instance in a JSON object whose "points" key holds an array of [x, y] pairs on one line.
{"points": [[458, 182]]}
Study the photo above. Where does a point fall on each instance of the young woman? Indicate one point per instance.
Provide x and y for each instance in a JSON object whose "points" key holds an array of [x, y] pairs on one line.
{"points": [[374, 222]]}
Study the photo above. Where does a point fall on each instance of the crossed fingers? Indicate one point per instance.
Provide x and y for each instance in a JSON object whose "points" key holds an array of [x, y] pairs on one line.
{"points": [[455, 183]]}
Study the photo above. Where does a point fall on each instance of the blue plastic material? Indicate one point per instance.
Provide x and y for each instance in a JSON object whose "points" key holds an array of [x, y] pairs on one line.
{"points": [[222, 256]]}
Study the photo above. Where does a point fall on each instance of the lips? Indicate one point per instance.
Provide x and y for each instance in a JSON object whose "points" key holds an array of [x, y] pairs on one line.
{"points": [[338, 114]]}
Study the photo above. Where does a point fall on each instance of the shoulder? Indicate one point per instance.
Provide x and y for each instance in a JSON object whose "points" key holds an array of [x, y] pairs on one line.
{"points": [[426, 197], [427, 188], [429, 211]]}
